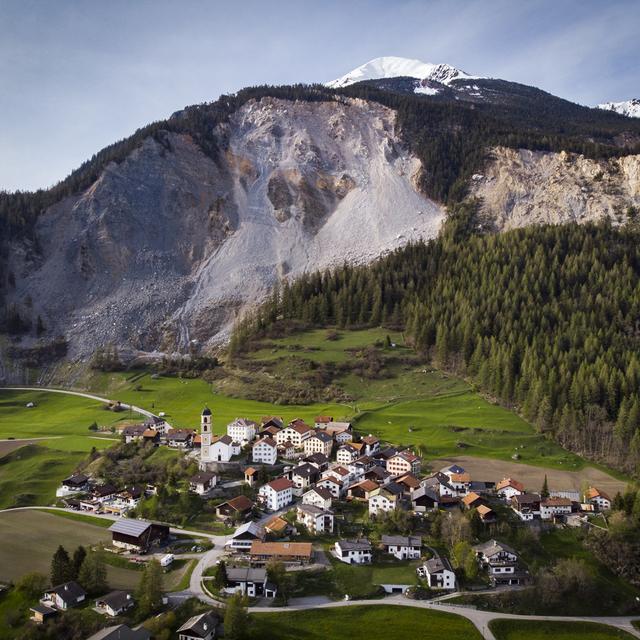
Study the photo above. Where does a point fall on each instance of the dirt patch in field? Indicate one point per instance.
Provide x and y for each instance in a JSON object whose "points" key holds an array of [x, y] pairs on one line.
{"points": [[533, 477], [7, 446]]}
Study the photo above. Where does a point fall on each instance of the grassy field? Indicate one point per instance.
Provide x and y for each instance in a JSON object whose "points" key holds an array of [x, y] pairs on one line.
{"points": [[539, 630], [28, 540], [361, 623], [13, 604]]}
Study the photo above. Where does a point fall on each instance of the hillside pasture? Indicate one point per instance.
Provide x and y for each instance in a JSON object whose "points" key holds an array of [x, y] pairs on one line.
{"points": [[504, 629]]}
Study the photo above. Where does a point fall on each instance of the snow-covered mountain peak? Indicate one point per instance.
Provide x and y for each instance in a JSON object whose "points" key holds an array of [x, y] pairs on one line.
{"points": [[395, 67], [630, 108]]}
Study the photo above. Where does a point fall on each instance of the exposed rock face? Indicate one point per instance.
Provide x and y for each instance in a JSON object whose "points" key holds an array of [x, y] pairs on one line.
{"points": [[164, 248], [520, 188]]}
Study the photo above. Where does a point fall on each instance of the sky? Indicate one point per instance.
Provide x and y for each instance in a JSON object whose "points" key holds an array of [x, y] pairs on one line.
{"points": [[78, 75]]}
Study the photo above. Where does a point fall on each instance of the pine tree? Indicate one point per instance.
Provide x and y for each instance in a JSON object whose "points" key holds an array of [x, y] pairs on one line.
{"points": [[544, 492], [236, 618], [93, 574], [61, 567], [78, 558], [149, 592], [220, 578]]}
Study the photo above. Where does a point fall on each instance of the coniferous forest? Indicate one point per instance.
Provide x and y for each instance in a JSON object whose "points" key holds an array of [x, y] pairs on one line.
{"points": [[546, 319]]}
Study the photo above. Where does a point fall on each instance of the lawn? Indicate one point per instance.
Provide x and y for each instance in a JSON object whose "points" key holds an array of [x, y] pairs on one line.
{"points": [[539, 630], [14, 607], [361, 623]]}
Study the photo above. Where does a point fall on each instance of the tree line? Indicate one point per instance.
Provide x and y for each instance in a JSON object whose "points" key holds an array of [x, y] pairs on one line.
{"points": [[544, 318]]}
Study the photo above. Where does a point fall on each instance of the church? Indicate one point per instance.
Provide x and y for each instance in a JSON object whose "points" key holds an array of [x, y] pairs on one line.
{"points": [[214, 450]]}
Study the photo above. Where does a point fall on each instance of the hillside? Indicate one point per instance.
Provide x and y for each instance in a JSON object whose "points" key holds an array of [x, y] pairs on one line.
{"points": [[157, 243]]}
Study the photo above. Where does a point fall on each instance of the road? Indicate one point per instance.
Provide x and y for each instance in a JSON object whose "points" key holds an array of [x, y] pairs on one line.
{"points": [[81, 394]]}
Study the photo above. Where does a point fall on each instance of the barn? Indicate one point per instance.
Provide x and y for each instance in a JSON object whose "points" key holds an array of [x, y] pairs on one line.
{"points": [[138, 535]]}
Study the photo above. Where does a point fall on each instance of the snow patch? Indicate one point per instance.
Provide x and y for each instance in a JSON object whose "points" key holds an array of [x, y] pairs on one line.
{"points": [[629, 108]]}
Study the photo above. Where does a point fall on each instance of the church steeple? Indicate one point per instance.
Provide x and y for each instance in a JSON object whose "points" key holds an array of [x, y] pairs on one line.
{"points": [[206, 432]]}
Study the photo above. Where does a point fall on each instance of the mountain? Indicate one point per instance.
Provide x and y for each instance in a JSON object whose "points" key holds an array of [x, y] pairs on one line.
{"points": [[395, 67], [161, 241], [629, 108]]}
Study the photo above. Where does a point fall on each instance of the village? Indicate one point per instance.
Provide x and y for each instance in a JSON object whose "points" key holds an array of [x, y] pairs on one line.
{"points": [[303, 501]]}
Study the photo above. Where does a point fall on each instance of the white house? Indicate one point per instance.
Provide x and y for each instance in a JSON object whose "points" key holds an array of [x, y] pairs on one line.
{"points": [[303, 477], [439, 573], [402, 547], [371, 445], [507, 488], [265, 451], [404, 462], [249, 581], [384, 499], [501, 563], [347, 454], [244, 535], [319, 497], [77, 483], [242, 430], [599, 499], [526, 506], [203, 482], [64, 596], [339, 473], [200, 627], [114, 603], [552, 507], [339, 431], [319, 443], [315, 519], [276, 494], [297, 432], [353, 551], [331, 484]]}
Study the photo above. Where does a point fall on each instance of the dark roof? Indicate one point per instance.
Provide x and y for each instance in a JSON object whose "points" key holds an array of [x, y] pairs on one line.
{"points": [[134, 430], [402, 541], [68, 591], [355, 545], [121, 632], [436, 565], [305, 470], [493, 547], [394, 488], [427, 492], [76, 478], [323, 492], [246, 574], [200, 626], [102, 490], [206, 411], [128, 527], [180, 435], [116, 600], [526, 498], [317, 458], [43, 610], [203, 477], [323, 437], [311, 509]]}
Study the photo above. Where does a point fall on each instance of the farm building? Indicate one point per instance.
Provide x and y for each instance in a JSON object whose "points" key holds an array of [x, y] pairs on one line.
{"points": [[137, 535]]}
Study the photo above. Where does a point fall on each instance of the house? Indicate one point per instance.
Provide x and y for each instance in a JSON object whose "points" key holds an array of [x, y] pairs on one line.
{"points": [[121, 632], [501, 563], [378, 474], [461, 483], [319, 497], [103, 492], [223, 448], [362, 490], [297, 553], [278, 527], [321, 422], [244, 536], [315, 519], [332, 485], [133, 433], [359, 467], [41, 613], [347, 454], [276, 494], [180, 438], [339, 431], [409, 482], [424, 499], [249, 581], [339, 473], [203, 482], [472, 500], [286, 450], [114, 603], [242, 430], [319, 443], [599, 499], [267, 422], [200, 627], [526, 506], [402, 547], [353, 551], [318, 460], [297, 431], [486, 513], [551, 508], [404, 462], [439, 483], [507, 488], [371, 445], [303, 477], [439, 574], [385, 498], [250, 476], [157, 423], [151, 436], [137, 535], [64, 596], [235, 509], [265, 451], [76, 483], [269, 431]]}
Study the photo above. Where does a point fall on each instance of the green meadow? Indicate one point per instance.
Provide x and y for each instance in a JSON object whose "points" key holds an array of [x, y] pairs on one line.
{"points": [[360, 623], [542, 630]]}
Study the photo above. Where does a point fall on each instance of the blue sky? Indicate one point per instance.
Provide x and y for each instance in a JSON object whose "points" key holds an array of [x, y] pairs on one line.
{"points": [[78, 75]]}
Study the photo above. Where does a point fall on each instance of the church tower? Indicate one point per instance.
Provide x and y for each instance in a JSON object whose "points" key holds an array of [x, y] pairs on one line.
{"points": [[206, 428]]}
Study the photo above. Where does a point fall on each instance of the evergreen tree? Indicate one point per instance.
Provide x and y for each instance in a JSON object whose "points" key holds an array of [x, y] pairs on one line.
{"points": [[544, 492], [78, 558], [220, 578], [93, 574], [61, 567], [149, 592], [236, 618]]}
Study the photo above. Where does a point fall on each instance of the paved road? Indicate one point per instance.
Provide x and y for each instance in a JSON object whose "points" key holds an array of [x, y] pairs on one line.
{"points": [[82, 394]]}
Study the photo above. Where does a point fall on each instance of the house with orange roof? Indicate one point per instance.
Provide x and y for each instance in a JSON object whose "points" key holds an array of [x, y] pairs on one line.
{"points": [[507, 488], [599, 499]]}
